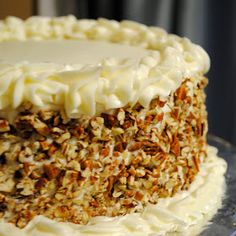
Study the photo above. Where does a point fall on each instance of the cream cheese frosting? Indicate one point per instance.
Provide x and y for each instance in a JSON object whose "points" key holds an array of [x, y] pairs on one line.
{"points": [[183, 214], [67, 51], [113, 81]]}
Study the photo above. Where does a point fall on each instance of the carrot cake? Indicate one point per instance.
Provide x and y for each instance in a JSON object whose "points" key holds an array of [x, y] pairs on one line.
{"points": [[101, 121]]}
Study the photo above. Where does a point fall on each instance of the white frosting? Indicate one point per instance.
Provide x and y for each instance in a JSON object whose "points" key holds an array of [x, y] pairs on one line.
{"points": [[67, 51], [110, 83], [183, 214]]}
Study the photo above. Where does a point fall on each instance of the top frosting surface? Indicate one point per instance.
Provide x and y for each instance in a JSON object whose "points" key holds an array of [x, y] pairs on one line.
{"points": [[157, 65], [67, 51]]}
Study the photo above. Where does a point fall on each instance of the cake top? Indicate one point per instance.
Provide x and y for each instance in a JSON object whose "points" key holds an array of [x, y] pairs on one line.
{"points": [[91, 66], [83, 52]]}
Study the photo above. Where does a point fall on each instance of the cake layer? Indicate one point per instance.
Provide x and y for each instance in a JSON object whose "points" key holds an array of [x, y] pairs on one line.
{"points": [[184, 214], [112, 83]]}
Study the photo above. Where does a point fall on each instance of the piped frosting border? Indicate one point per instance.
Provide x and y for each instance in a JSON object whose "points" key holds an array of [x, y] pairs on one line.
{"points": [[91, 89]]}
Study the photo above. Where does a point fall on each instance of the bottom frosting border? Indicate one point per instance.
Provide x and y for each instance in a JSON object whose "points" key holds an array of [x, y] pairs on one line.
{"points": [[187, 213]]}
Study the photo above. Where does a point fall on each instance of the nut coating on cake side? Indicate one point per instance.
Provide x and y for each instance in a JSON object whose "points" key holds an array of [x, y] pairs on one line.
{"points": [[110, 165]]}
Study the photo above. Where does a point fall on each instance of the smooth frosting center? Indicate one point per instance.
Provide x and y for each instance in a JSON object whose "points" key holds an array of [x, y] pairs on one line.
{"points": [[67, 51]]}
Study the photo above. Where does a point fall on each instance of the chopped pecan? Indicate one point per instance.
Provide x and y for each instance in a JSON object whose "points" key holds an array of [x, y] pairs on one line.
{"points": [[149, 118], [127, 124], [116, 154], [62, 212], [4, 126], [44, 145], [77, 131], [109, 120], [120, 147], [137, 160], [105, 152], [157, 103], [199, 128], [46, 115], [135, 146], [132, 171], [27, 167], [57, 120], [51, 171], [87, 164], [24, 123], [196, 162], [52, 150], [110, 184], [138, 196], [150, 147], [63, 138], [41, 127], [94, 203], [175, 146], [121, 116], [159, 116], [175, 113], [181, 93]]}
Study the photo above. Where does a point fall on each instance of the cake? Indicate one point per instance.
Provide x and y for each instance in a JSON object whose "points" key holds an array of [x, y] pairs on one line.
{"points": [[101, 122]]}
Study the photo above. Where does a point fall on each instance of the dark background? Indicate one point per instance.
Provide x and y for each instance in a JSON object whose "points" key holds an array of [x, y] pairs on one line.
{"points": [[210, 23]]}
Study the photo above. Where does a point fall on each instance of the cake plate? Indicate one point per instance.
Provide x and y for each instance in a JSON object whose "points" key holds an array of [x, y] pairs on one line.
{"points": [[224, 222]]}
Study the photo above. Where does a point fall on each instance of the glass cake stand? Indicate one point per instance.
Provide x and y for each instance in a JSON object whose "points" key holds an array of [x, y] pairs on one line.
{"points": [[224, 222]]}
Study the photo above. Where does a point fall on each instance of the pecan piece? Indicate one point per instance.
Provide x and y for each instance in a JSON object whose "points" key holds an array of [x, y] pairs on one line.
{"points": [[51, 171], [110, 184], [109, 120], [41, 127], [94, 203], [105, 152], [181, 93], [46, 115], [120, 147], [4, 126], [87, 164], [77, 131], [196, 162], [175, 146], [150, 147], [138, 196], [159, 117], [135, 146], [52, 150]]}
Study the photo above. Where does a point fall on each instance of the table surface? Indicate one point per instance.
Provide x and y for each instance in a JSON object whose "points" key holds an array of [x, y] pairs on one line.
{"points": [[224, 223]]}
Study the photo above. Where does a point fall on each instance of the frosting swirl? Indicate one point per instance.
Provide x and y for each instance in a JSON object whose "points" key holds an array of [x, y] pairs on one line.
{"points": [[111, 83]]}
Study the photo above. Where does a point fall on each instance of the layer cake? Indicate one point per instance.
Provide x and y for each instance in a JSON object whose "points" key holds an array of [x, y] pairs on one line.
{"points": [[98, 118]]}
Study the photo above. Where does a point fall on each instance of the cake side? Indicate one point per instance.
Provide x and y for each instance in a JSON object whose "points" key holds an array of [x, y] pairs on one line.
{"points": [[113, 164]]}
